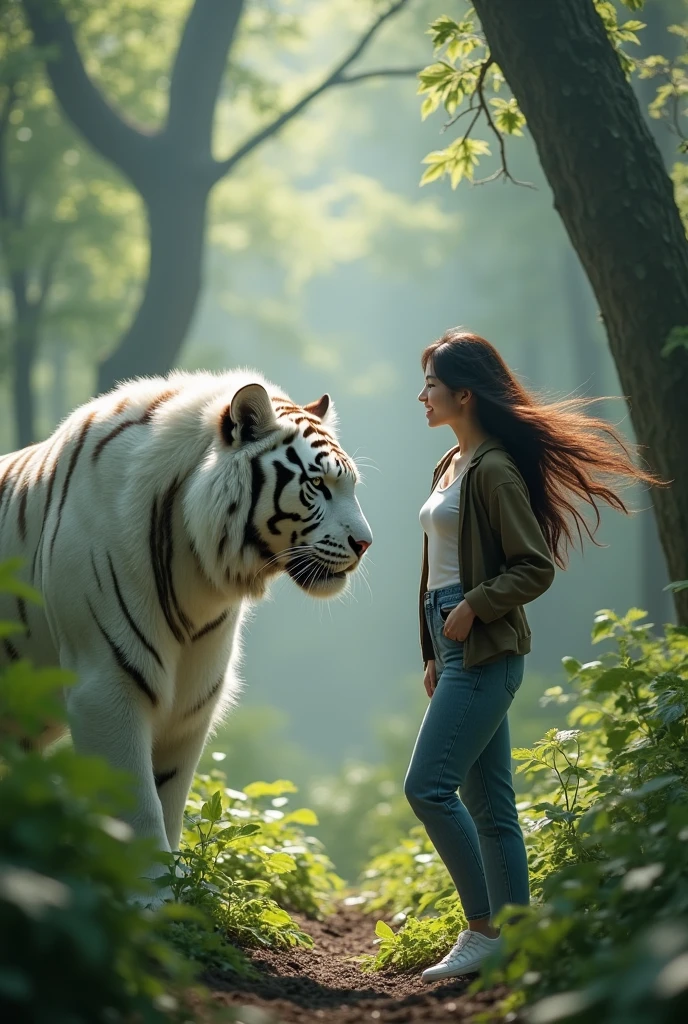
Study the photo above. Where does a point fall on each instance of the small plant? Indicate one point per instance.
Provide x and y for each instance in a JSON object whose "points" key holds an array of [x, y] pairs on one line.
{"points": [[411, 883], [605, 939], [71, 945], [247, 864]]}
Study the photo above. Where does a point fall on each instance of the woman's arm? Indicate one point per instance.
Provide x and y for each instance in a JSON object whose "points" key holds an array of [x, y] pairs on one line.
{"points": [[529, 565]]}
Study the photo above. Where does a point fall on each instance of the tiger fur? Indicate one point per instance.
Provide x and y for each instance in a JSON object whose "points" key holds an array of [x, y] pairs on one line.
{"points": [[149, 521]]}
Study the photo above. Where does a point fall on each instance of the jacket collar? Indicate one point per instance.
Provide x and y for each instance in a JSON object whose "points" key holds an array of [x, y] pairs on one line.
{"points": [[486, 446]]}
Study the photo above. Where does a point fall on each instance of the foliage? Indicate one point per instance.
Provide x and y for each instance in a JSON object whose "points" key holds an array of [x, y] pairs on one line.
{"points": [[74, 945], [606, 822], [465, 80], [408, 882], [72, 948], [247, 864], [66, 217], [677, 339]]}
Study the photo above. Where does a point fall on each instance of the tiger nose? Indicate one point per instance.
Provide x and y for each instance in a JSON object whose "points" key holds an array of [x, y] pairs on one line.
{"points": [[359, 546]]}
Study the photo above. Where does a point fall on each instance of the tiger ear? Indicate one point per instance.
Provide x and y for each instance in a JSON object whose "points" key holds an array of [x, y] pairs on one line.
{"points": [[250, 415], [319, 408]]}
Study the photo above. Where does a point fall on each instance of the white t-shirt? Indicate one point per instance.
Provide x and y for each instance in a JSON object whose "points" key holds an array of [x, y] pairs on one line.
{"points": [[439, 518]]}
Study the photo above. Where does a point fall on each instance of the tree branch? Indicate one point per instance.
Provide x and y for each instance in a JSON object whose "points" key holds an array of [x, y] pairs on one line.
{"points": [[81, 100], [198, 70], [379, 73], [336, 77], [483, 108]]}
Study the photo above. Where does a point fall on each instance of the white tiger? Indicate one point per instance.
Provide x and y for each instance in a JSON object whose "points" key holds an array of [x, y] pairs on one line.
{"points": [[148, 521]]}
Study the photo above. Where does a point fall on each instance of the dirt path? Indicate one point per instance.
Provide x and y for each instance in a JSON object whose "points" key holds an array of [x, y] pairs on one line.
{"points": [[320, 985]]}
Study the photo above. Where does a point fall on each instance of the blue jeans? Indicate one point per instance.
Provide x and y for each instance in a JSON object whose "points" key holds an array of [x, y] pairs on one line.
{"points": [[464, 744]]}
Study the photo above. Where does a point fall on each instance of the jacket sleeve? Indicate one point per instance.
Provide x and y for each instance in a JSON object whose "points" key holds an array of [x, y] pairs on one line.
{"points": [[529, 568]]}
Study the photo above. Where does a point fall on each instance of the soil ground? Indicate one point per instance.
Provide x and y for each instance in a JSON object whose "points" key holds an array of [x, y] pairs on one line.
{"points": [[322, 986]]}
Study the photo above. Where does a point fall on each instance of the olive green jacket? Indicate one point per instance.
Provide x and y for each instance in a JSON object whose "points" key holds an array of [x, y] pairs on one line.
{"points": [[504, 560]]}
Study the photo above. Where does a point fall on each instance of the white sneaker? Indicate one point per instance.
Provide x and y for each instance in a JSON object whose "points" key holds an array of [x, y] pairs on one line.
{"points": [[465, 956]]}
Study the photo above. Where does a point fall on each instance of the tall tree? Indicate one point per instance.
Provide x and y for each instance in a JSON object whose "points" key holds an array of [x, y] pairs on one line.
{"points": [[172, 164], [58, 205], [567, 71]]}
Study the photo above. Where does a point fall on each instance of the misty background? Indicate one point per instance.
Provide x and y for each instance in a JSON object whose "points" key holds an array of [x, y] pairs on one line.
{"points": [[328, 269]]}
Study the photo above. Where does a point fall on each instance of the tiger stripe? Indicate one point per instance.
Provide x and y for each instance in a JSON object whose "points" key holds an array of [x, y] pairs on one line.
{"points": [[122, 661], [162, 777], [251, 536], [206, 699], [127, 614], [23, 618], [161, 554], [167, 508], [160, 580], [9, 480], [46, 510], [164, 539], [210, 626], [10, 650], [144, 418], [70, 470], [95, 572]]}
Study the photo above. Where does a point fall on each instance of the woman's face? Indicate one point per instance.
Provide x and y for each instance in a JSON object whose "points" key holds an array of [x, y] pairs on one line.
{"points": [[442, 406]]}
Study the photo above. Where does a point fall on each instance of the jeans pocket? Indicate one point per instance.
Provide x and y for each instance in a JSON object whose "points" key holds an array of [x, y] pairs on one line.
{"points": [[514, 672], [444, 612]]}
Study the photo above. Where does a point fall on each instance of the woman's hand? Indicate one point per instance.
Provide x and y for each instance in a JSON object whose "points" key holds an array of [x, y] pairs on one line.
{"points": [[459, 622], [430, 680]]}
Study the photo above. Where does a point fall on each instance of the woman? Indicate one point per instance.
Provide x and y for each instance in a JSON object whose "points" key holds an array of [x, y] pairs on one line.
{"points": [[497, 520]]}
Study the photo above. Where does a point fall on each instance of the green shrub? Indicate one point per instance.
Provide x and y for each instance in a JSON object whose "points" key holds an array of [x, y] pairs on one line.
{"points": [[606, 820], [246, 860], [72, 949]]}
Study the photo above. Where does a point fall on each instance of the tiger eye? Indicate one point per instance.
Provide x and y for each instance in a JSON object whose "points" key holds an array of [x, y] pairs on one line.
{"points": [[316, 481]]}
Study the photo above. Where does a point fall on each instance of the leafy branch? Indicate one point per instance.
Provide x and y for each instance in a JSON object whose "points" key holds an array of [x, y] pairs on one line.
{"points": [[336, 77], [461, 84], [459, 77]]}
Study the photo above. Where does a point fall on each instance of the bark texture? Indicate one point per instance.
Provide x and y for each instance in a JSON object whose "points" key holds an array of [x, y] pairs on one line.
{"points": [[616, 202]]}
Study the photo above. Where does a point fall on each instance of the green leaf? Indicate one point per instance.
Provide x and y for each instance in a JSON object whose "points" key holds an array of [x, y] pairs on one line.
{"points": [[9, 584], [280, 863], [258, 789], [383, 931], [429, 105], [212, 809], [603, 626], [507, 116], [433, 173], [302, 816], [676, 338], [10, 628], [571, 665], [676, 586], [275, 916]]}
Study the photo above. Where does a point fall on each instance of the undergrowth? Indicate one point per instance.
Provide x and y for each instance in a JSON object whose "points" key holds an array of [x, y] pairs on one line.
{"points": [[74, 945], [605, 939]]}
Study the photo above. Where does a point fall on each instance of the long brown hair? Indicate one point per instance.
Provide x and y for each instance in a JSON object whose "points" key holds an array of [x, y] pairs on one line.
{"points": [[563, 454]]}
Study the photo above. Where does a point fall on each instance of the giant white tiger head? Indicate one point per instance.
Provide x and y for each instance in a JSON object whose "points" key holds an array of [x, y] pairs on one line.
{"points": [[277, 493]]}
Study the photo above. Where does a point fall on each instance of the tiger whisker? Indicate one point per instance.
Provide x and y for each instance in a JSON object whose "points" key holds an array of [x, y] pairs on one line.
{"points": [[287, 551]]}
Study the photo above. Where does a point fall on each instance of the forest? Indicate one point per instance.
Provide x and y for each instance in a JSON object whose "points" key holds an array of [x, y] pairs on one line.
{"points": [[311, 193]]}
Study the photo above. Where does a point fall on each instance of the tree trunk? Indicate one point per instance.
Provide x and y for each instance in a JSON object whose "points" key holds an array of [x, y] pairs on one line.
{"points": [[23, 358], [157, 162], [177, 222], [616, 202], [587, 362], [653, 567]]}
